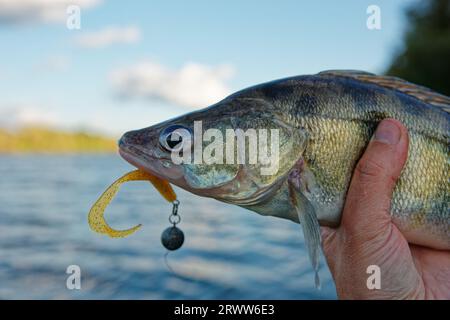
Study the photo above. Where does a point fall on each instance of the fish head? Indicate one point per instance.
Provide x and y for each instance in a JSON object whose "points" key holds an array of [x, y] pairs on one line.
{"points": [[235, 151]]}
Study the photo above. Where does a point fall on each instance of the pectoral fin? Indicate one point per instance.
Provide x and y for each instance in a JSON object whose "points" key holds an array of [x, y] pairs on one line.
{"points": [[310, 224]]}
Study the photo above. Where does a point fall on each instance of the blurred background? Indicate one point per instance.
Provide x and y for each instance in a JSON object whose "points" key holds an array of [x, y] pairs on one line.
{"points": [[67, 94]]}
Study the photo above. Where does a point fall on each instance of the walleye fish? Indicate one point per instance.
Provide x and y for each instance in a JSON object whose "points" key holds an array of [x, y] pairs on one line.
{"points": [[324, 123]]}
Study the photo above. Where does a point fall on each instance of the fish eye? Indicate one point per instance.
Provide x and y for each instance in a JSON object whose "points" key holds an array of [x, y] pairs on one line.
{"points": [[174, 137]]}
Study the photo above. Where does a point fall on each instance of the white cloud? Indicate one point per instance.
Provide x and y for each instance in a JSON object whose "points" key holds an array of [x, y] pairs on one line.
{"points": [[28, 11], [17, 116], [193, 85], [109, 36]]}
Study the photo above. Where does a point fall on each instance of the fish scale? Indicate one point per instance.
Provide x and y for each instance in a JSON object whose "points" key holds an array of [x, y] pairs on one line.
{"points": [[340, 130]]}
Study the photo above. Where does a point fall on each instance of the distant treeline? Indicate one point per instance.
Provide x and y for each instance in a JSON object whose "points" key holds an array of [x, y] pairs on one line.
{"points": [[45, 140], [424, 57]]}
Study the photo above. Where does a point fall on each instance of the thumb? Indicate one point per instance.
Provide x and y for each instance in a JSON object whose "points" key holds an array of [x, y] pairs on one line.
{"points": [[367, 207]]}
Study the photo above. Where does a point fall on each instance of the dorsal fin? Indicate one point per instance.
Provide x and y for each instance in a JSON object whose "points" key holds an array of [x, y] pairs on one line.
{"points": [[422, 93]]}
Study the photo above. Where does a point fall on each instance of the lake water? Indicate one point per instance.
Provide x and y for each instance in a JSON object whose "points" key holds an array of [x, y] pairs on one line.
{"points": [[229, 252]]}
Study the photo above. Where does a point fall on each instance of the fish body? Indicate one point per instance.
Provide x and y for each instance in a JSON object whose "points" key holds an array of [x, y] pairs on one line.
{"points": [[324, 123]]}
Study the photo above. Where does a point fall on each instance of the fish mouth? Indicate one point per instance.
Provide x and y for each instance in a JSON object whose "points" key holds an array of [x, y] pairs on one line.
{"points": [[153, 165], [161, 167], [138, 163]]}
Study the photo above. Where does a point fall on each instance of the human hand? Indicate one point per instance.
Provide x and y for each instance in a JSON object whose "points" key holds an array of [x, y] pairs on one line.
{"points": [[367, 235]]}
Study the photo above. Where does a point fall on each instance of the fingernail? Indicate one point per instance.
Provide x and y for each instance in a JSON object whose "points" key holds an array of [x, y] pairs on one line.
{"points": [[387, 132]]}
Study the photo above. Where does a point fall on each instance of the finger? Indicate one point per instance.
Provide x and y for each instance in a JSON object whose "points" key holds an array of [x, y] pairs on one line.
{"points": [[329, 243], [369, 196], [328, 235]]}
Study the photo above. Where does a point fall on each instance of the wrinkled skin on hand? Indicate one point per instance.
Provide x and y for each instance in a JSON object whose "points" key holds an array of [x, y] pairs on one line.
{"points": [[367, 235]]}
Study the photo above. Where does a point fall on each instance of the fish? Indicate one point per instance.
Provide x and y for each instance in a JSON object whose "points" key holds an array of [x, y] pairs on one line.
{"points": [[323, 124]]}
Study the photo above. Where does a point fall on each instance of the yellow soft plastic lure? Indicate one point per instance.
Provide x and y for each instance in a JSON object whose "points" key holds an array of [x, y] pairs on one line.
{"points": [[96, 216]]}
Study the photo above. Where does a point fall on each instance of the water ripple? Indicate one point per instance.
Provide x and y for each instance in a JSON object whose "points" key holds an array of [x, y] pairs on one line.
{"points": [[229, 252]]}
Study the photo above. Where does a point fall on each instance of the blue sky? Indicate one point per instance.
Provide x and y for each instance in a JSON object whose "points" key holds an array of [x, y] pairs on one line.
{"points": [[47, 75]]}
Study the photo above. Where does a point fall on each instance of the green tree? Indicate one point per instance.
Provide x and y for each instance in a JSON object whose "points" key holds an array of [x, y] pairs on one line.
{"points": [[425, 56]]}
